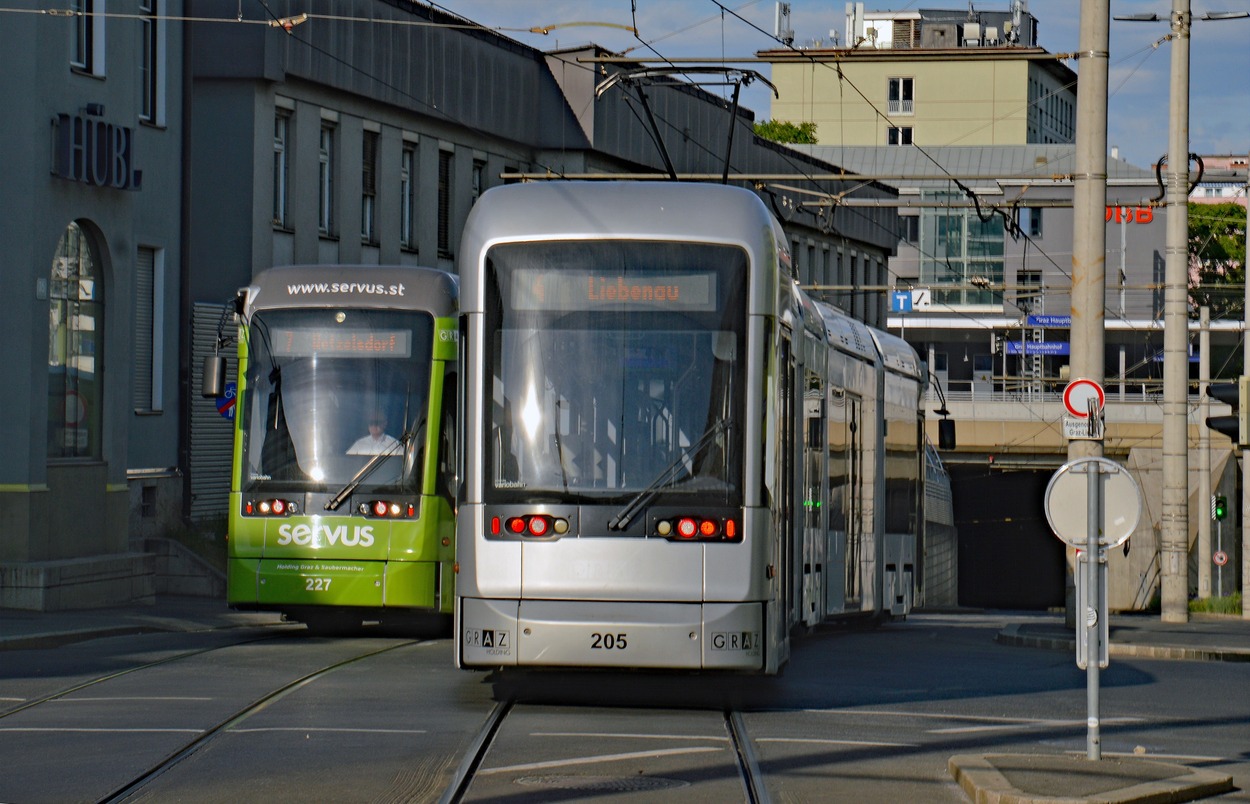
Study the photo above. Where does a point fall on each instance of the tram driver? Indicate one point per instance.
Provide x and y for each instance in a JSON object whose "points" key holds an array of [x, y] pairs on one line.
{"points": [[377, 441]]}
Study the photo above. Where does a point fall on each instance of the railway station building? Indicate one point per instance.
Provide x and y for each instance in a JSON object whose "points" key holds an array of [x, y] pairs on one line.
{"points": [[973, 123]]}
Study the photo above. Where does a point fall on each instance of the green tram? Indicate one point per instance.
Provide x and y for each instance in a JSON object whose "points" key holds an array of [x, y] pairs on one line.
{"points": [[341, 496]]}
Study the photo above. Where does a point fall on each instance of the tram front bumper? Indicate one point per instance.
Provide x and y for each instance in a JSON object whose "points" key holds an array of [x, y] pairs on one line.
{"points": [[578, 633]]}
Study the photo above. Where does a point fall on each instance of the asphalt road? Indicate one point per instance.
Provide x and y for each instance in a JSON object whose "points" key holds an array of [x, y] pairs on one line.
{"points": [[863, 715]]}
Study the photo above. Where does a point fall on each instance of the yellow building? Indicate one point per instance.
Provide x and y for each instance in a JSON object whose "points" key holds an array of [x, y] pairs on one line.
{"points": [[929, 78]]}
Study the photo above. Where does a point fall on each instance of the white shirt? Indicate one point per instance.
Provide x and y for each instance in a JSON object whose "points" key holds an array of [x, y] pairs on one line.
{"points": [[368, 445]]}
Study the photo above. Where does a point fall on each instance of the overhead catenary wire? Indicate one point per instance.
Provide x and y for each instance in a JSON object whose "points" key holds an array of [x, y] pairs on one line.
{"points": [[723, 11]]}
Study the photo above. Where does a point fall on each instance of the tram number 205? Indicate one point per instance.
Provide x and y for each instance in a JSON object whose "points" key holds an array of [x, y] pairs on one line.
{"points": [[317, 584], [608, 641]]}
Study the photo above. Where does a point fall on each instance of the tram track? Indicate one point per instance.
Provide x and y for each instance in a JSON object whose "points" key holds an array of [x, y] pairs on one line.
{"points": [[739, 745], [748, 764], [136, 785], [82, 685]]}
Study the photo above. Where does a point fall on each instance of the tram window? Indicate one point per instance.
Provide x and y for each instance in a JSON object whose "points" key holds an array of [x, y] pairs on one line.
{"points": [[316, 385], [609, 362]]}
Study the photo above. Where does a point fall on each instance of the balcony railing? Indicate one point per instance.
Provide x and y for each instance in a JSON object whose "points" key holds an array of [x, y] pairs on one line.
{"points": [[899, 107]]}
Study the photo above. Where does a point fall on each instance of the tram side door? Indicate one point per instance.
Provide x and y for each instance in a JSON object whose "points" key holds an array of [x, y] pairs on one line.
{"points": [[843, 558], [788, 529], [854, 591], [815, 493]]}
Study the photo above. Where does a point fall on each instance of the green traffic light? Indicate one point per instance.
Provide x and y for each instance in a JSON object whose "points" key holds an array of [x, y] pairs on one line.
{"points": [[1221, 507]]}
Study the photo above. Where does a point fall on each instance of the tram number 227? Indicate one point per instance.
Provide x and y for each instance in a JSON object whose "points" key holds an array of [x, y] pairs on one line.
{"points": [[608, 642], [317, 584]]}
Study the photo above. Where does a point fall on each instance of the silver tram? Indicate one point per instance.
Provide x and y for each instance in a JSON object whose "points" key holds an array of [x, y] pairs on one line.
{"points": [[673, 457]]}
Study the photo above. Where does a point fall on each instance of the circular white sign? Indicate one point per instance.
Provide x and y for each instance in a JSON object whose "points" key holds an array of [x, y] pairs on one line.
{"points": [[1067, 502], [1078, 393], [1220, 558]]}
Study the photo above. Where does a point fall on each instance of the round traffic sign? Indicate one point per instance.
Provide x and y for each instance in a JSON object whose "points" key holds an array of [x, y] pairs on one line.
{"points": [[1220, 558], [1067, 502], [1077, 396]]}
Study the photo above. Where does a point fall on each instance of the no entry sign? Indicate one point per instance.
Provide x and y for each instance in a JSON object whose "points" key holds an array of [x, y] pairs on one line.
{"points": [[1077, 396]]}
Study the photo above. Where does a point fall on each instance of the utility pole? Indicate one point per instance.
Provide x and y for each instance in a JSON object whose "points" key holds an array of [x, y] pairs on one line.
{"points": [[1245, 459], [1204, 454], [1089, 204], [1089, 292], [1174, 530], [1174, 527]]}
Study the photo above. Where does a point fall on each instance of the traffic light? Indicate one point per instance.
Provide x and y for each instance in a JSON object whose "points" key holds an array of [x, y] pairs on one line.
{"points": [[1221, 506], [1237, 396]]}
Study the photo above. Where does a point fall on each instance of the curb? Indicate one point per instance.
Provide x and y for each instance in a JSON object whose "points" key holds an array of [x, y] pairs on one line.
{"points": [[1011, 636], [58, 639], [985, 780]]}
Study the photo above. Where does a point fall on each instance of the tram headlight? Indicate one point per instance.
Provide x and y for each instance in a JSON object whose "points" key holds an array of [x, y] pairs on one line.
{"points": [[387, 509], [274, 507]]}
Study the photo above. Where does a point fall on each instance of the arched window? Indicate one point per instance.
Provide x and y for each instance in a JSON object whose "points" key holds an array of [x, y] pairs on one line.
{"points": [[75, 348]]}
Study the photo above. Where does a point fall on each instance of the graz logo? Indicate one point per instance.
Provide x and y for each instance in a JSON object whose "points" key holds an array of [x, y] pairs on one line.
{"points": [[494, 642], [736, 640]]}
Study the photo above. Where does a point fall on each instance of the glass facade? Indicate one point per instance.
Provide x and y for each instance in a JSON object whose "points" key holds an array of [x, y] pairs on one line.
{"points": [[961, 256]]}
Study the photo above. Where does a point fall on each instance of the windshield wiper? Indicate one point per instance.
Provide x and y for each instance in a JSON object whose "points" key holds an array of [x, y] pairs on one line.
{"points": [[337, 500], [666, 478]]}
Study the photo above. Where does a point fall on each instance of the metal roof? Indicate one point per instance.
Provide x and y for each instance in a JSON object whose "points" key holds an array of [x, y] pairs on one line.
{"points": [[997, 162]]}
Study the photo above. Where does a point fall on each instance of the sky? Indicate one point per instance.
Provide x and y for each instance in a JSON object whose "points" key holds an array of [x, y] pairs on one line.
{"points": [[1139, 72]]}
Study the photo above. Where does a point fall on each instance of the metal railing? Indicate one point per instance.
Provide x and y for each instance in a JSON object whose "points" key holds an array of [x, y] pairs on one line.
{"points": [[1051, 390]]}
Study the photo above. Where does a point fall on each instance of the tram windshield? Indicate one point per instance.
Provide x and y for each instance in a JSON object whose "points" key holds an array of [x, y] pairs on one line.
{"points": [[615, 367], [330, 390]]}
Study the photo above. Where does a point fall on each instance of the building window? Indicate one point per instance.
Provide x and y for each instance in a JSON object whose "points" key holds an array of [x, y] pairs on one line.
{"points": [[408, 196], [281, 168], [146, 343], [479, 179], [961, 256], [152, 74], [369, 188], [87, 36], [909, 229], [445, 165], [1034, 223], [325, 181], [75, 348], [147, 502], [900, 97], [898, 135]]}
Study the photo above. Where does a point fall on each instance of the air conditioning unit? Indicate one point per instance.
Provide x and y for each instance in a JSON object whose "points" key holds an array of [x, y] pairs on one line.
{"points": [[972, 34]]}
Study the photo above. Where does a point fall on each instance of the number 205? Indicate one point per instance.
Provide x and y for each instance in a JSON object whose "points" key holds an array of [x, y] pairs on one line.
{"points": [[608, 642]]}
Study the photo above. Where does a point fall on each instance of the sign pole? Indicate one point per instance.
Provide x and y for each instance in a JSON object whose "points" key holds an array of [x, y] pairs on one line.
{"points": [[1112, 511], [1093, 596]]}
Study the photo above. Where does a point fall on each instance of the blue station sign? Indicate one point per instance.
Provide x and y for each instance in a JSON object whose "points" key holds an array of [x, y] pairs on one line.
{"points": [[1039, 347]]}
